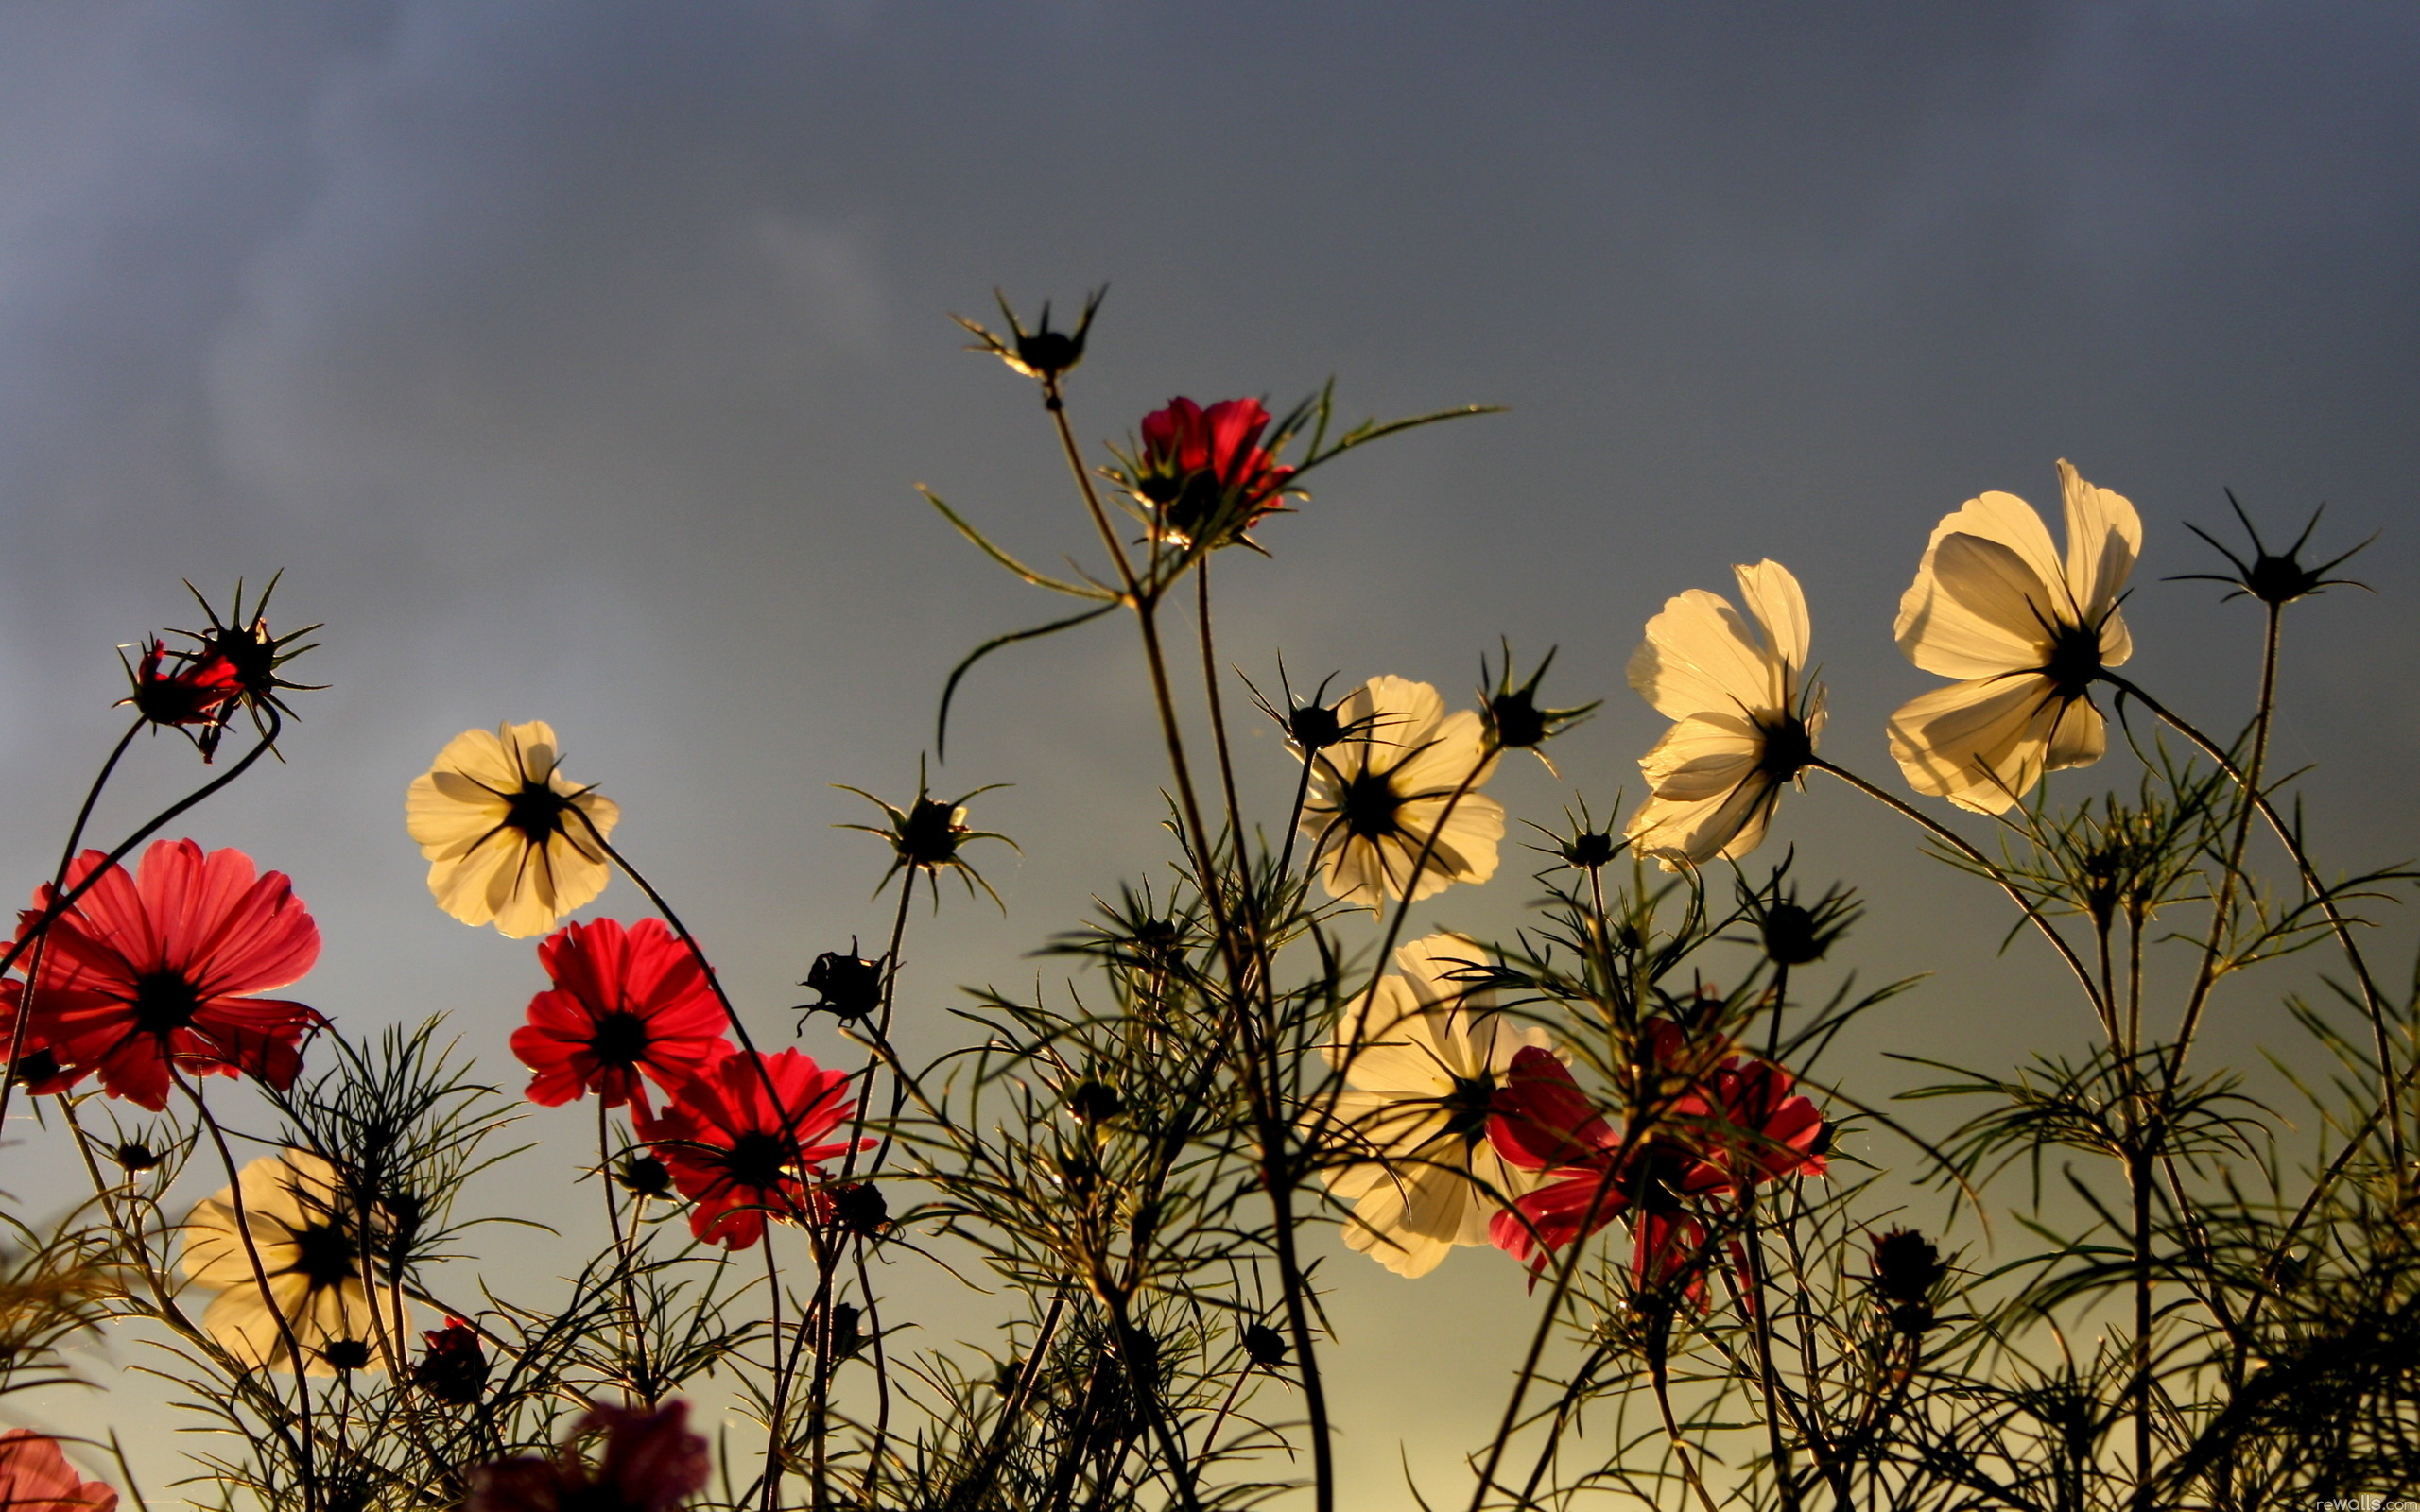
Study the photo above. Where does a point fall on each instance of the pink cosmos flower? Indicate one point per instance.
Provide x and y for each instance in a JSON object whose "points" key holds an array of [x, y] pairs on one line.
{"points": [[1207, 471], [739, 1138], [625, 1001], [36, 1477], [652, 1463]]}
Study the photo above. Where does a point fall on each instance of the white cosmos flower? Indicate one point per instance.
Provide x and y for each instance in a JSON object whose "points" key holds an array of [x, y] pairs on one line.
{"points": [[508, 839], [1742, 724], [305, 1242], [1380, 796], [1421, 1064], [1995, 605]]}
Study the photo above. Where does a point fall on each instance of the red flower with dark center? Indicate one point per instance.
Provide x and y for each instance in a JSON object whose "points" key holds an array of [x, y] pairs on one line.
{"points": [[624, 1002], [1206, 470], [1720, 1130], [741, 1137], [159, 968], [652, 1463], [36, 1477]]}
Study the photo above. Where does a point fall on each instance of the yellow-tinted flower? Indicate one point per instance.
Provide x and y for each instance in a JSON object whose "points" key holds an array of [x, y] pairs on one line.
{"points": [[1379, 795], [307, 1243], [1743, 726], [1422, 1064], [1995, 605], [508, 839]]}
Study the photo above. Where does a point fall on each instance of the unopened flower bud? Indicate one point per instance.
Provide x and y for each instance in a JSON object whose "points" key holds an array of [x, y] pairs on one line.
{"points": [[645, 1175], [455, 1369], [849, 988], [1094, 1103], [861, 1209], [1264, 1346], [136, 1156]]}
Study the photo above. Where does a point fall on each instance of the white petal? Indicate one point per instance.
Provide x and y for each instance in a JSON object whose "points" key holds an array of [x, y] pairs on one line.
{"points": [[1699, 655], [2104, 536], [1773, 596], [1980, 743], [1978, 609], [1702, 755]]}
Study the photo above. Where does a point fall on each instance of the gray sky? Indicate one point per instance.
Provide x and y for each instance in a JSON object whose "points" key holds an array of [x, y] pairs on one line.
{"points": [[576, 362]]}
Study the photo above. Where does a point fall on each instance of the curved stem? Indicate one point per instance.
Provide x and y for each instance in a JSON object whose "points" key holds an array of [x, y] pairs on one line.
{"points": [[30, 933], [260, 1278], [2373, 1003], [2103, 1009], [2207, 975]]}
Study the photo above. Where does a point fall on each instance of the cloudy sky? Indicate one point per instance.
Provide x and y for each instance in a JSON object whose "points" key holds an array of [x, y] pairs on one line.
{"points": [[578, 361]]}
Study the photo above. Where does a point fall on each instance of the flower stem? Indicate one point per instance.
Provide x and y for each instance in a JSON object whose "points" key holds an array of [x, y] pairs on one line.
{"points": [[2100, 1007]]}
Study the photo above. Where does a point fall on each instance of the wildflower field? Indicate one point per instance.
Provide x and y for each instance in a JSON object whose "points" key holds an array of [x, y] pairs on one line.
{"points": [[674, 857], [1250, 1042]]}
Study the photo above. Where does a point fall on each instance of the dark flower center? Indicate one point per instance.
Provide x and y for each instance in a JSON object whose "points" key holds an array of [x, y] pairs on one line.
{"points": [[757, 1159], [346, 1355], [323, 1255], [1787, 748], [1467, 1107], [620, 1039], [1369, 804], [163, 1001], [2075, 660], [536, 811]]}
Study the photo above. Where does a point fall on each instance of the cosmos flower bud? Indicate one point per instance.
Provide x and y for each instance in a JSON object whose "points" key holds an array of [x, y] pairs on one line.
{"points": [[1264, 1346], [849, 987], [645, 1175], [346, 1355], [136, 1156], [1589, 850], [1907, 1267], [455, 1369], [1095, 1102], [1790, 935], [861, 1209]]}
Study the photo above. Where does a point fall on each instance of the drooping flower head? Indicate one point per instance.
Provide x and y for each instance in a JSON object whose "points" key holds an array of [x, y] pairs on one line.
{"points": [[1423, 1063], [160, 968], [2028, 633], [740, 1139], [651, 1463], [1205, 472], [252, 658], [1745, 725], [36, 1477], [629, 1005], [187, 691], [304, 1228], [454, 1370], [1388, 791], [508, 839]]}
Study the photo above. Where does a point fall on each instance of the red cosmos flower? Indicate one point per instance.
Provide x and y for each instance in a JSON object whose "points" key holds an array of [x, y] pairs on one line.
{"points": [[1206, 468], [625, 1001], [36, 1477], [1726, 1128], [738, 1152], [158, 968], [653, 1464]]}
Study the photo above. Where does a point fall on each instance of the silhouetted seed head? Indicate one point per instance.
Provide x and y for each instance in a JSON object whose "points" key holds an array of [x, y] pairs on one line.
{"points": [[645, 1175], [1094, 1103], [1264, 1346], [1040, 353], [930, 833], [849, 987], [861, 1209], [136, 1156], [1314, 727]]}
